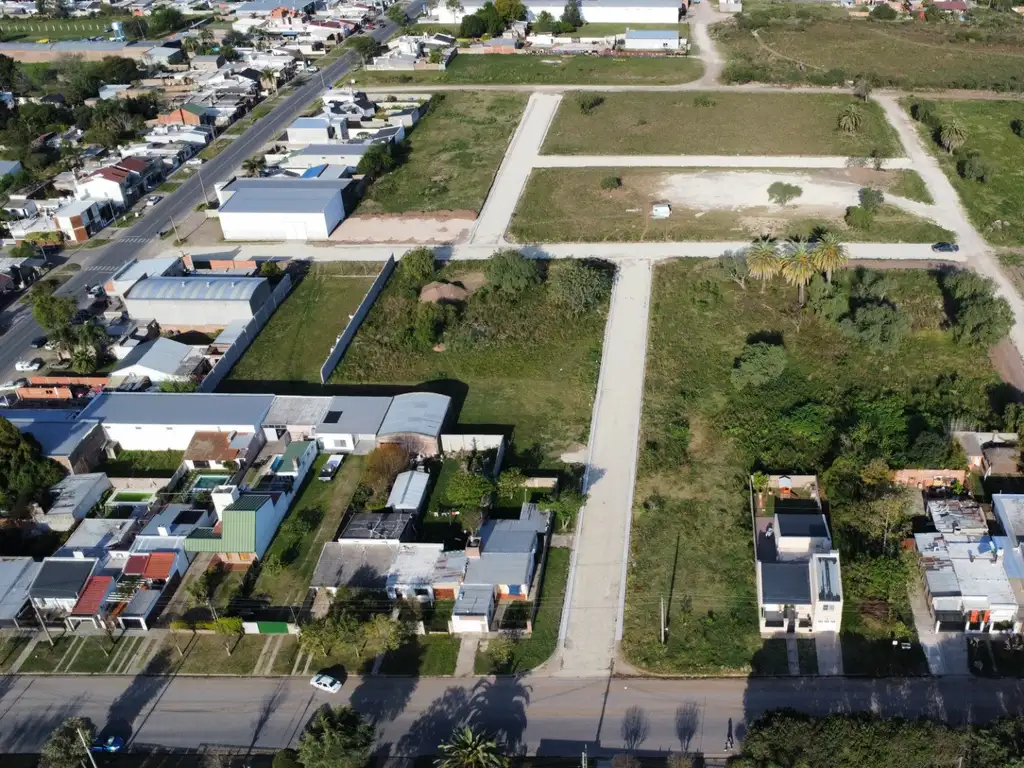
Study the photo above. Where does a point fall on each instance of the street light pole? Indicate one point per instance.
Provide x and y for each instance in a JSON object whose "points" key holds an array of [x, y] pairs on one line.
{"points": [[85, 744], [42, 623]]}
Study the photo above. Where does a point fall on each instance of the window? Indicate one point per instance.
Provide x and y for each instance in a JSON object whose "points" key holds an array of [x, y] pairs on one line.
{"points": [[201, 464], [421, 592], [515, 589]]}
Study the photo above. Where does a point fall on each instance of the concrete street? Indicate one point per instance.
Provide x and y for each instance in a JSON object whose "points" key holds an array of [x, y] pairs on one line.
{"points": [[547, 716], [98, 264]]}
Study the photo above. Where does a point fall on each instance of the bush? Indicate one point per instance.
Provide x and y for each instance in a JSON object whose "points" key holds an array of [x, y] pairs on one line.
{"points": [[588, 102], [858, 217], [415, 270], [877, 325], [759, 364], [924, 112], [703, 101], [611, 182], [883, 13], [429, 325], [979, 316], [1017, 126], [870, 199], [509, 271], [972, 167], [580, 287], [376, 161], [472, 26], [781, 193]]}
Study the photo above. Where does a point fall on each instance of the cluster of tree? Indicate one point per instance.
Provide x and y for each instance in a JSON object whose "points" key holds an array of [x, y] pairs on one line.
{"points": [[978, 315], [883, 12], [492, 19], [347, 625], [797, 261], [786, 737], [83, 344], [859, 305], [383, 465], [570, 20], [951, 134], [863, 216], [25, 473]]}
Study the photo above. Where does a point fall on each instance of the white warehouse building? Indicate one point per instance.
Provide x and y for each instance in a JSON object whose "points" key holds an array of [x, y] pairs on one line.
{"points": [[594, 11], [207, 301], [281, 209]]}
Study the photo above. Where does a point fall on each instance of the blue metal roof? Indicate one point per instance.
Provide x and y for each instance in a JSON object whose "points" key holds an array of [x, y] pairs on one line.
{"points": [[312, 173], [179, 408]]}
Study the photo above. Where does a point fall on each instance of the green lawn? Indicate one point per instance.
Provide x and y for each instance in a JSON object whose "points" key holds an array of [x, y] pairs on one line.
{"points": [[63, 29], [454, 153], [313, 520], [570, 205], [716, 123], [513, 69], [207, 654], [423, 656], [214, 149], [995, 206], [599, 29], [286, 655], [807, 654], [11, 646], [800, 43], [771, 659], [701, 436], [142, 464], [96, 652], [45, 658], [522, 362], [537, 648], [299, 336]]}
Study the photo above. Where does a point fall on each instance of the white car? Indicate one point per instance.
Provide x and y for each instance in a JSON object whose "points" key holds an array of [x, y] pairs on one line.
{"points": [[153, 200], [25, 366], [311, 68], [195, 162], [14, 384], [326, 683]]}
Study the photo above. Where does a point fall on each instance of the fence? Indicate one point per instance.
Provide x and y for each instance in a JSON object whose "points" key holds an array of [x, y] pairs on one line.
{"points": [[346, 336], [246, 337]]}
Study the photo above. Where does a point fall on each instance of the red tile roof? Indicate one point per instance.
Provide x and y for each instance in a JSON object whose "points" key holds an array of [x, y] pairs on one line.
{"points": [[111, 173], [95, 591], [136, 164], [136, 565], [160, 565]]}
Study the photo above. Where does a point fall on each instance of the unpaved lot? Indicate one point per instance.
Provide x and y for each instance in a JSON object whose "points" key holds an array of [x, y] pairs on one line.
{"points": [[434, 229]]}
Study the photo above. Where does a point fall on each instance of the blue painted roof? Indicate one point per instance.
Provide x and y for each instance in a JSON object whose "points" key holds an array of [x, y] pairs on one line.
{"points": [[312, 173]]}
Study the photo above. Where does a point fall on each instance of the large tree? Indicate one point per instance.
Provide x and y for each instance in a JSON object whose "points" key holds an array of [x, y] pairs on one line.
{"points": [[471, 749], [64, 748], [763, 262], [25, 473], [829, 254], [337, 738], [798, 267]]}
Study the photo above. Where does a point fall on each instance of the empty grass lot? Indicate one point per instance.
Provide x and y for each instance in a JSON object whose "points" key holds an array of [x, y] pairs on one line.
{"points": [[527, 69], [1000, 198], [733, 124], [45, 658], [11, 646], [569, 205], [142, 464], [295, 342], [522, 362], [454, 153], [207, 655], [313, 520], [823, 46], [602, 29], [691, 531], [423, 655]]}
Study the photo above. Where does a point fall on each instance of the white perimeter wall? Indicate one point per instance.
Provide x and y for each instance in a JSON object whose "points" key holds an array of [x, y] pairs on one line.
{"points": [[283, 226], [156, 437]]}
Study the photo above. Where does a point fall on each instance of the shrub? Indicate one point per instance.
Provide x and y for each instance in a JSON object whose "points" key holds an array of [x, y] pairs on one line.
{"points": [[883, 13], [858, 217], [1017, 126], [588, 102], [611, 182], [979, 316], [877, 325], [509, 271], [972, 167], [703, 101], [376, 161], [580, 287], [924, 112], [759, 364], [870, 199], [781, 193], [429, 325], [415, 270]]}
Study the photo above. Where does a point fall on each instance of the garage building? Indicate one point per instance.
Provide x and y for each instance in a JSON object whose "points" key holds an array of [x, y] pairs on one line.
{"points": [[282, 209]]}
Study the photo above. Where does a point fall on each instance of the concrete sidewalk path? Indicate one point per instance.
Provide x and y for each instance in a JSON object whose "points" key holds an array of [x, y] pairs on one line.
{"points": [[592, 618], [466, 662]]}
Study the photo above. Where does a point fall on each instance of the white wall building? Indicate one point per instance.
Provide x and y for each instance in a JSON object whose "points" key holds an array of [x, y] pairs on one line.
{"points": [[653, 40], [281, 208], [594, 11]]}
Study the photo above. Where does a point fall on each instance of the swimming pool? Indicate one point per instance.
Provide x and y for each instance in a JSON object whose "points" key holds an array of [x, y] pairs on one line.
{"points": [[206, 482], [275, 464]]}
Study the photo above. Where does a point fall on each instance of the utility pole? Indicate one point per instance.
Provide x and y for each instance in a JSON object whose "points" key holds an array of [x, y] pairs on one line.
{"points": [[85, 745], [201, 184], [42, 623], [662, 625], [175, 226]]}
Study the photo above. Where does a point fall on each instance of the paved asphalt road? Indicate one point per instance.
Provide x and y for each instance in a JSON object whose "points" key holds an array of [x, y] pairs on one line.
{"points": [[96, 264], [547, 716]]}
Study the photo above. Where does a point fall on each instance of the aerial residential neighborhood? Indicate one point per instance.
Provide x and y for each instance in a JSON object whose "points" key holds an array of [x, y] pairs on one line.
{"points": [[499, 382]]}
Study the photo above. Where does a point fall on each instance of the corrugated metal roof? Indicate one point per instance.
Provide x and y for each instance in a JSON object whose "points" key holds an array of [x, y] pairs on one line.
{"points": [[136, 565], [420, 413], [354, 415], [286, 196], [473, 600], [16, 577], [163, 356], [652, 34], [143, 603], [249, 502], [205, 288], [190, 408], [237, 534], [62, 577], [408, 492], [499, 568], [96, 589]]}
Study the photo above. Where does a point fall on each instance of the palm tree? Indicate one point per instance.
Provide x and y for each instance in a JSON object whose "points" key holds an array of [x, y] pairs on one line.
{"points": [[468, 749], [850, 119], [206, 35], [953, 135], [90, 336], [798, 267], [829, 254], [269, 77], [763, 263], [83, 360], [253, 165]]}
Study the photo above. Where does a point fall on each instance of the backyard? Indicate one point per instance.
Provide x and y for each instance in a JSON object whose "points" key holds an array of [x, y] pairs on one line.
{"points": [[297, 339], [702, 435], [523, 361], [454, 153], [803, 43], [577, 205], [142, 464], [513, 69], [716, 123], [996, 204]]}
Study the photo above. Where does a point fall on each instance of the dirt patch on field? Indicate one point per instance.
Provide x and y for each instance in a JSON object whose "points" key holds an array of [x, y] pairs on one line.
{"points": [[435, 228], [1008, 364]]}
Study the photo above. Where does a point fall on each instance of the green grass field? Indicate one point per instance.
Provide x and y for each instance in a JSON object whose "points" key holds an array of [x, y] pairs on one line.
{"points": [[727, 124], [295, 342], [423, 655], [569, 205], [64, 29], [691, 530], [454, 153], [600, 29], [995, 206], [801, 43], [524, 362], [142, 464], [512, 69]]}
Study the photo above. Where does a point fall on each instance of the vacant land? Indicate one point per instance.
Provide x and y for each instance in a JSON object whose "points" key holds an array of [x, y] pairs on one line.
{"points": [[995, 205], [142, 464], [423, 655], [522, 361], [717, 124], [522, 69], [453, 155], [300, 334], [570, 205], [823, 46], [701, 436], [312, 521]]}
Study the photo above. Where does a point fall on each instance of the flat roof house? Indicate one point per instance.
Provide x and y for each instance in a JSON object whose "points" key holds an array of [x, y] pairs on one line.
{"points": [[161, 360], [652, 40], [204, 302], [59, 583], [424, 572], [75, 445], [354, 564], [221, 450], [799, 583], [16, 577], [70, 501], [279, 208], [351, 424]]}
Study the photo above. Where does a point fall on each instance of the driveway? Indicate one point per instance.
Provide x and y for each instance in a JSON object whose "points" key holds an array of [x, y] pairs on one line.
{"points": [[591, 621]]}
